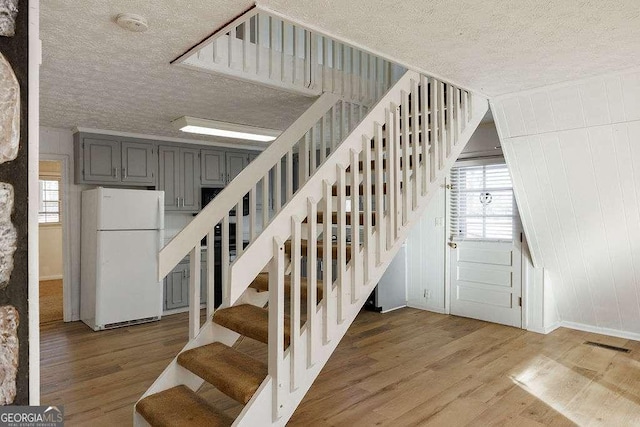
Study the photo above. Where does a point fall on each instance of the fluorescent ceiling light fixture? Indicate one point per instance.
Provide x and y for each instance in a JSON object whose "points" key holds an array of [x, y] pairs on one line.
{"points": [[224, 129]]}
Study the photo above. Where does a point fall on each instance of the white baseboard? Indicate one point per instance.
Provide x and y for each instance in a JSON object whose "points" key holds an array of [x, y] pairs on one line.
{"points": [[439, 310], [603, 331], [393, 309], [54, 277]]}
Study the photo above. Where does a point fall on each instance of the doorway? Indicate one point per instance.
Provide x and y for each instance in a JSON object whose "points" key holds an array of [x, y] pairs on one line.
{"points": [[485, 243], [51, 253]]}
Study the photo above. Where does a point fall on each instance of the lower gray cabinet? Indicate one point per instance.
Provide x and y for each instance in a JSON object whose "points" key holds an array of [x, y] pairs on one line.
{"points": [[176, 285]]}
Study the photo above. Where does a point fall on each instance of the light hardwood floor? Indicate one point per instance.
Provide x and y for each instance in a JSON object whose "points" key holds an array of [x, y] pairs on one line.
{"points": [[408, 367]]}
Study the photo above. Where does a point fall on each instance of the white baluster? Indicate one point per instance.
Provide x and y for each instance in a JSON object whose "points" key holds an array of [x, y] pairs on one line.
{"points": [[295, 295], [265, 200], [289, 176], [400, 187], [194, 291], [379, 189], [272, 46], [276, 326], [283, 51], [253, 230], [415, 134], [312, 278], [342, 239], [211, 273], [435, 128], [427, 121], [323, 139], [442, 126], [245, 46], [239, 228], [278, 189], [226, 260], [450, 120], [328, 292], [457, 123], [356, 263], [367, 212], [258, 40], [406, 180]]}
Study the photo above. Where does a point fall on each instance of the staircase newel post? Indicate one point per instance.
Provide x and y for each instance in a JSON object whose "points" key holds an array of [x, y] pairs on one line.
{"points": [[276, 326]]}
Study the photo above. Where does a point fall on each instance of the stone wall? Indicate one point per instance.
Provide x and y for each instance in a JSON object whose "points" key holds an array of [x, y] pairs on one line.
{"points": [[14, 178]]}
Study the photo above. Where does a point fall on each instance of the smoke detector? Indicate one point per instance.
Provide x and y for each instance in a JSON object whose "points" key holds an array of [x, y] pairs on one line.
{"points": [[132, 22]]}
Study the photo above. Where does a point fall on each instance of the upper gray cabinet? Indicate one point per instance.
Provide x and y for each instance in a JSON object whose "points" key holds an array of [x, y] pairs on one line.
{"points": [[100, 160], [110, 160], [213, 167], [235, 163], [138, 163], [179, 178]]}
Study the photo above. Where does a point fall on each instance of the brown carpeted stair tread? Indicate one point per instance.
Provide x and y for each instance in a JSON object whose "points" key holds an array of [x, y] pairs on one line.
{"points": [[179, 406], [320, 250], [261, 283], [250, 321], [230, 371], [334, 218]]}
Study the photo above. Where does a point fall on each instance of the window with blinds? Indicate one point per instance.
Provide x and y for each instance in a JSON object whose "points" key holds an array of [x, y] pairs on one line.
{"points": [[483, 206], [49, 201]]}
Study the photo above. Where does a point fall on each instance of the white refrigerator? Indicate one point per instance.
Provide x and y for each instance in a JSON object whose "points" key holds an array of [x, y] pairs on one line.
{"points": [[122, 234]]}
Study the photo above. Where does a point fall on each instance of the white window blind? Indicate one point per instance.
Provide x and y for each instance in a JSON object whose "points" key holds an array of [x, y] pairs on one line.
{"points": [[49, 210], [482, 203]]}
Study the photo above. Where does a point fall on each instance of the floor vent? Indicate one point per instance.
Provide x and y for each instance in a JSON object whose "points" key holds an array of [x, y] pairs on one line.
{"points": [[608, 347]]}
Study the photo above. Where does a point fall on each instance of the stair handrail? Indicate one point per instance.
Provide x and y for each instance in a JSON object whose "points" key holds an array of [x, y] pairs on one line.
{"points": [[419, 153], [260, 252], [190, 236]]}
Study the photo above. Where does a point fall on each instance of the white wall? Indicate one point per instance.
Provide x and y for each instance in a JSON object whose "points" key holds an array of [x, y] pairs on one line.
{"points": [[483, 142], [50, 252], [425, 258], [60, 142], [573, 151]]}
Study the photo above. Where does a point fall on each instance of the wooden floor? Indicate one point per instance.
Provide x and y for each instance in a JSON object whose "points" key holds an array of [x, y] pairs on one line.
{"points": [[50, 301], [408, 367]]}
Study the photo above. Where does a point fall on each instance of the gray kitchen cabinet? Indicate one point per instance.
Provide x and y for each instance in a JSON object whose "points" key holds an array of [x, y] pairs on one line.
{"points": [[213, 167], [112, 160], [190, 179], [176, 287], [235, 163], [179, 178], [169, 176], [138, 165], [100, 160]]}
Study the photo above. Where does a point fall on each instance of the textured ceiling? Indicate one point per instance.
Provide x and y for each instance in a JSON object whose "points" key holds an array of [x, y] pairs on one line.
{"points": [[491, 46], [97, 75]]}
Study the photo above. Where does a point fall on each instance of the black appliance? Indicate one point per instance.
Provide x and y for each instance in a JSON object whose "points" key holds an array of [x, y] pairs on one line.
{"points": [[208, 194]]}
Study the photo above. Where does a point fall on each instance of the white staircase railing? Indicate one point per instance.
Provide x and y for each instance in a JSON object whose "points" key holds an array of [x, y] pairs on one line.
{"points": [[333, 172], [385, 169], [267, 49]]}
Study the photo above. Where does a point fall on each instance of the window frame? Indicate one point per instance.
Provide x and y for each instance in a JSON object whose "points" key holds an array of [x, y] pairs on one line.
{"points": [[516, 225], [57, 178]]}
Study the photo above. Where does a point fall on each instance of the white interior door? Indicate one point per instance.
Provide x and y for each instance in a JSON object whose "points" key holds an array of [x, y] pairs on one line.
{"points": [[485, 245]]}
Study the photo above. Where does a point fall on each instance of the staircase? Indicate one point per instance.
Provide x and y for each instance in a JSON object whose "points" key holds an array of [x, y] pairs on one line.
{"points": [[338, 193]]}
